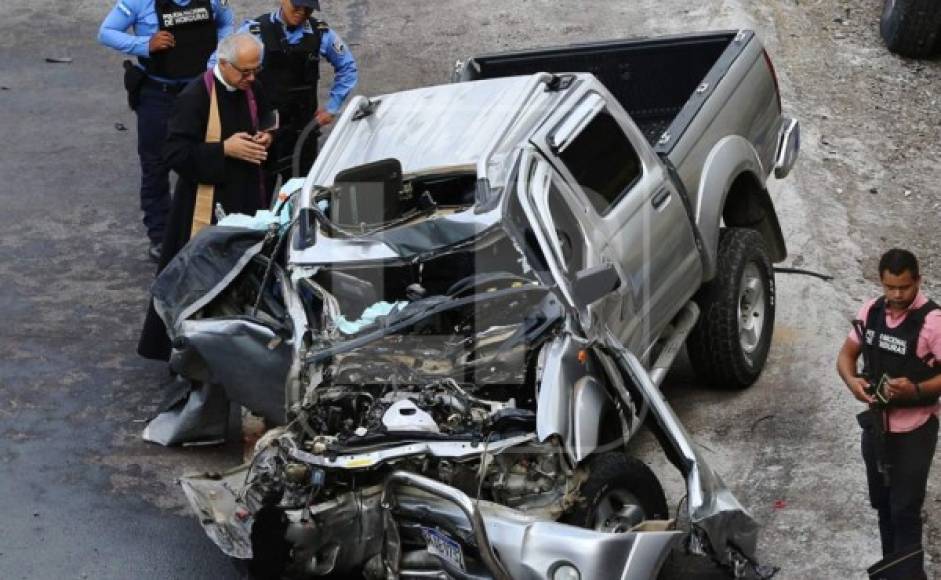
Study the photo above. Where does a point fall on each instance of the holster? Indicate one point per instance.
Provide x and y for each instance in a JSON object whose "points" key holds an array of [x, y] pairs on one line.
{"points": [[873, 420], [134, 79]]}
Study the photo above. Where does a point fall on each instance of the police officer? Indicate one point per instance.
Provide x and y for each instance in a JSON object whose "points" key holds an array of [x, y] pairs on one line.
{"points": [[294, 43], [899, 338], [173, 40]]}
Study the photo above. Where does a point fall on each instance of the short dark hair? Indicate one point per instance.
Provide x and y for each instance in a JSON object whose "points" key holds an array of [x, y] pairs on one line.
{"points": [[896, 261]]}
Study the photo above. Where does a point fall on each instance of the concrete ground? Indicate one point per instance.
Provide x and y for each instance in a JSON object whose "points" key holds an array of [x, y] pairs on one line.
{"points": [[84, 497]]}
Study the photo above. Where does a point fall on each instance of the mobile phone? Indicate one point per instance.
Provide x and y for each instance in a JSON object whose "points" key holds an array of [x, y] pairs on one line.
{"points": [[880, 390], [270, 121]]}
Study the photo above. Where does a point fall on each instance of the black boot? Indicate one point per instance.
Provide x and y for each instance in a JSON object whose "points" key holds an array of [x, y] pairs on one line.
{"points": [[905, 564]]}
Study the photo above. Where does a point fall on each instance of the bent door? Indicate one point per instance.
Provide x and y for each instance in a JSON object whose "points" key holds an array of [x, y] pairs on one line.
{"points": [[567, 240], [629, 200]]}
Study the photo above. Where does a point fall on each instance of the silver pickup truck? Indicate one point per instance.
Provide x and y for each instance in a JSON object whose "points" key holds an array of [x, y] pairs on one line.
{"points": [[662, 160], [649, 155], [467, 317]]}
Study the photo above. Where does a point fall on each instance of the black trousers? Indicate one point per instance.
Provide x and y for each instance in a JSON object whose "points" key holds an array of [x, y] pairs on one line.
{"points": [[899, 503], [156, 104]]}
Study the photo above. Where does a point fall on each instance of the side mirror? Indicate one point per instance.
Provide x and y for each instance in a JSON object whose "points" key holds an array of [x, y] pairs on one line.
{"points": [[593, 284]]}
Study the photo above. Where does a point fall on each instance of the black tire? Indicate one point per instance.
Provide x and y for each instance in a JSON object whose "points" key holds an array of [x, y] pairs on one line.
{"points": [[271, 551], [613, 475], [911, 27], [729, 345], [241, 569]]}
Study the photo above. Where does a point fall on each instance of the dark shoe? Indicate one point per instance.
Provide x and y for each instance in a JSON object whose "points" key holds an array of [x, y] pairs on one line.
{"points": [[905, 564], [154, 253]]}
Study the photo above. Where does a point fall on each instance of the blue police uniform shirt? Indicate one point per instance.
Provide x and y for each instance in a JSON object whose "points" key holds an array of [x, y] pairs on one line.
{"points": [[332, 47], [141, 17]]}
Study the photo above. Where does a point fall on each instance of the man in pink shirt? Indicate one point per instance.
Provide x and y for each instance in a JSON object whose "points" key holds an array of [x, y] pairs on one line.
{"points": [[899, 338]]}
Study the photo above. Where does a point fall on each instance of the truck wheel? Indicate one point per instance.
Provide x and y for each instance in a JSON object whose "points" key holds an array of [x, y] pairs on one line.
{"points": [[911, 27], [620, 493], [730, 342]]}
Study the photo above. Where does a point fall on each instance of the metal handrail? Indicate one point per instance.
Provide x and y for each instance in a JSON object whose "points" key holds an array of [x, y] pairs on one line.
{"points": [[462, 501]]}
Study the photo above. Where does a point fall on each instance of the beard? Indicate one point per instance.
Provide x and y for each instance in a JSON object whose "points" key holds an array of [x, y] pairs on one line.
{"points": [[899, 304]]}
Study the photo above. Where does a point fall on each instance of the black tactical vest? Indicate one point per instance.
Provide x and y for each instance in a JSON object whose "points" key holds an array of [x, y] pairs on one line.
{"points": [[194, 29], [892, 351], [291, 71]]}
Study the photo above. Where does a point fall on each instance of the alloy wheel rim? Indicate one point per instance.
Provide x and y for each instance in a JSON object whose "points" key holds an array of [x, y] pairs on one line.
{"points": [[752, 309], [618, 511]]}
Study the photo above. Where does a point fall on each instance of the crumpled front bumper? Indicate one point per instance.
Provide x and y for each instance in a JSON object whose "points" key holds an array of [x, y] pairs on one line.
{"points": [[354, 528], [512, 544], [351, 529]]}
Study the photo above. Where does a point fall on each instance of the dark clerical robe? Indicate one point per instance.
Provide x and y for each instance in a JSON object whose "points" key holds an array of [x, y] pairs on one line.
{"points": [[239, 186]]}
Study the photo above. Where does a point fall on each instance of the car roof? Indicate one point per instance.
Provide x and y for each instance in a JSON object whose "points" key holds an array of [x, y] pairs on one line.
{"points": [[439, 128]]}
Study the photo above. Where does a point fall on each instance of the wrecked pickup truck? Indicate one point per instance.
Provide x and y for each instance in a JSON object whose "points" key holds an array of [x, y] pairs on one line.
{"points": [[467, 315]]}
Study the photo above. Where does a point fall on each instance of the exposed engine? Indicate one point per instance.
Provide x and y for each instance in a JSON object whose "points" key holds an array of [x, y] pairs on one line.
{"points": [[354, 435], [390, 433]]}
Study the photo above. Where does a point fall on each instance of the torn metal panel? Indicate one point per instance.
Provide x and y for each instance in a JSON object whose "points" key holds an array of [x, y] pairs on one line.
{"points": [[204, 268], [200, 415], [212, 340], [528, 546], [223, 345], [444, 387], [712, 507]]}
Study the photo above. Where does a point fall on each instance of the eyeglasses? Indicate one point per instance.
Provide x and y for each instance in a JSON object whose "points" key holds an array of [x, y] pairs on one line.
{"points": [[246, 72]]}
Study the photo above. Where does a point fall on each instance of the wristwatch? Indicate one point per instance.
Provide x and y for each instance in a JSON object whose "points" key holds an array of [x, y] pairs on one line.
{"points": [[917, 391]]}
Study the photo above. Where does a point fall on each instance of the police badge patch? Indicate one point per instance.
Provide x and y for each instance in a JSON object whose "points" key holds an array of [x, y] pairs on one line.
{"points": [[338, 46]]}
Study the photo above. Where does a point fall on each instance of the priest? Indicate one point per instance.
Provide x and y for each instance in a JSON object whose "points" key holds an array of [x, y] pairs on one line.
{"points": [[215, 146]]}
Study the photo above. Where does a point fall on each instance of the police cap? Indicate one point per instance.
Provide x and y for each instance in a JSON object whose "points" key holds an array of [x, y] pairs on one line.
{"points": [[315, 4]]}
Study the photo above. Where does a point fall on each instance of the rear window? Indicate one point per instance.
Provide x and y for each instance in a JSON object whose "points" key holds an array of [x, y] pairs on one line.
{"points": [[603, 162]]}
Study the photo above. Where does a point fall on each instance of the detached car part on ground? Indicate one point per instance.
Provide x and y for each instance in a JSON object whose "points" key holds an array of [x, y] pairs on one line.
{"points": [[533, 250]]}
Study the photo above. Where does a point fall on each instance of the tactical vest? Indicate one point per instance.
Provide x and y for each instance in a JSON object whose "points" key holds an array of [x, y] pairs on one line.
{"points": [[291, 71], [892, 351], [194, 30]]}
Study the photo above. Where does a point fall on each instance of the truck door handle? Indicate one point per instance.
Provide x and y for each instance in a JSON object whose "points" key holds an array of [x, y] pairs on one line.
{"points": [[660, 198]]}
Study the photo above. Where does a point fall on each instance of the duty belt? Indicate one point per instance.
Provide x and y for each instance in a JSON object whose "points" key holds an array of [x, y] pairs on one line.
{"points": [[174, 87]]}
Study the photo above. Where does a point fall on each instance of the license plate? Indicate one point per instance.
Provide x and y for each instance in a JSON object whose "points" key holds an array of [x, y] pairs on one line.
{"points": [[444, 547]]}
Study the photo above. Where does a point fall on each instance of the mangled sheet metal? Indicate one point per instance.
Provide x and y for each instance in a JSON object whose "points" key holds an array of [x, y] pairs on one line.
{"points": [[443, 388], [461, 432], [224, 353], [722, 527]]}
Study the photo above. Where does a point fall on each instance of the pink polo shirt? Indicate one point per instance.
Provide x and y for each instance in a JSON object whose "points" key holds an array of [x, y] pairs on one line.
{"points": [[903, 420]]}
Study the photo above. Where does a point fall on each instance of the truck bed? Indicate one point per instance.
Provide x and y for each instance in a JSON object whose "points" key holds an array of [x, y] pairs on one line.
{"points": [[655, 79]]}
